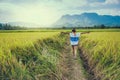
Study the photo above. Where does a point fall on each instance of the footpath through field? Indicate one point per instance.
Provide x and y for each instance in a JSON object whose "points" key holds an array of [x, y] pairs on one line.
{"points": [[72, 68]]}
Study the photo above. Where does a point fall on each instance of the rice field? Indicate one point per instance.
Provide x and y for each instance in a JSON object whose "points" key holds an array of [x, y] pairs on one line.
{"points": [[35, 55], [102, 49], [29, 55], [22, 39]]}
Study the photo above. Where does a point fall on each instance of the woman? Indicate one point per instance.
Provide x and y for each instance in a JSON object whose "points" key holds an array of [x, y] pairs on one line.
{"points": [[74, 40]]}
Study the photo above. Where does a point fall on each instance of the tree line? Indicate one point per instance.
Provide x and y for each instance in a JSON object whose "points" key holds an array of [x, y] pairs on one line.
{"points": [[102, 26], [10, 27]]}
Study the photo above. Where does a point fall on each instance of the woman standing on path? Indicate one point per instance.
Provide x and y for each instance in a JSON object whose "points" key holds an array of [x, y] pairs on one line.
{"points": [[74, 40]]}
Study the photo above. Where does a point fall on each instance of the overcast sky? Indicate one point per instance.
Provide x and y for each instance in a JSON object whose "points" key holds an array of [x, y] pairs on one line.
{"points": [[46, 12]]}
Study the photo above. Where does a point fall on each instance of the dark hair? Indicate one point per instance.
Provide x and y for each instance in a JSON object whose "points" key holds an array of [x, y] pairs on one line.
{"points": [[73, 30]]}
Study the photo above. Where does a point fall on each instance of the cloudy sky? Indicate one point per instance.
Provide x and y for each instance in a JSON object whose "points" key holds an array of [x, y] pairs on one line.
{"points": [[46, 12]]}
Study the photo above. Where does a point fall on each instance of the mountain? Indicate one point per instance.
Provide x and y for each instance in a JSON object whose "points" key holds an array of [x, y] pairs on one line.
{"points": [[87, 19]]}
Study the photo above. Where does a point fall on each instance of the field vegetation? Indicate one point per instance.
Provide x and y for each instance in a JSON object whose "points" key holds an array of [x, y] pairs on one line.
{"points": [[30, 55], [36, 54], [102, 51]]}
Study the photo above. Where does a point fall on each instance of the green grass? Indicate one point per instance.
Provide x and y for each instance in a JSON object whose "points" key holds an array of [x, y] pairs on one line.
{"points": [[59, 30], [103, 53], [12, 40], [35, 54], [30, 55]]}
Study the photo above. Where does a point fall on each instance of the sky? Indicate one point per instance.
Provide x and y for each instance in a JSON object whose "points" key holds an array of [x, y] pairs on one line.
{"points": [[46, 12]]}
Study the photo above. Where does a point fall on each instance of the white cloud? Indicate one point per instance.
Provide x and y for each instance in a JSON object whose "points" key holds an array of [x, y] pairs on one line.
{"points": [[35, 13], [112, 1], [108, 12], [38, 14], [75, 2]]}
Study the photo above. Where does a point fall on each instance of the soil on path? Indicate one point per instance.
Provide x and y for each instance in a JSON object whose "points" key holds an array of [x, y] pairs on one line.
{"points": [[71, 67]]}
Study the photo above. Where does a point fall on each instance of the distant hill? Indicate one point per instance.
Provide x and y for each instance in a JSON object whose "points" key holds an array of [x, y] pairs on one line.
{"points": [[87, 19], [23, 24]]}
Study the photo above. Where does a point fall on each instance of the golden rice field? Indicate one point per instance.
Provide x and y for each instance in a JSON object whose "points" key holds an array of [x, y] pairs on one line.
{"points": [[21, 39], [29, 55], [102, 49], [36, 55]]}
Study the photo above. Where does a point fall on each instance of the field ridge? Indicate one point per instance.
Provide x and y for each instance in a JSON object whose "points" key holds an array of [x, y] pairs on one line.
{"points": [[72, 67], [90, 74]]}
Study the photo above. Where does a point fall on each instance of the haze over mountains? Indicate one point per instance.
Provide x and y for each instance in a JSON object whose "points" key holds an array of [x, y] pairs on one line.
{"points": [[23, 24], [87, 20], [77, 20]]}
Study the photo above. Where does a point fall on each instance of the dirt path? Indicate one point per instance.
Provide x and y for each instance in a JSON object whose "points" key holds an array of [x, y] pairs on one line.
{"points": [[72, 69]]}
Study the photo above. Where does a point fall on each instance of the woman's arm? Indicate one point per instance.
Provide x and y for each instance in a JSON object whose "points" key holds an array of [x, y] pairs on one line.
{"points": [[65, 32], [85, 32]]}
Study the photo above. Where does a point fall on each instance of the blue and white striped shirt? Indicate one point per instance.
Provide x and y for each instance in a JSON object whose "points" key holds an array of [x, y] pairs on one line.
{"points": [[74, 38]]}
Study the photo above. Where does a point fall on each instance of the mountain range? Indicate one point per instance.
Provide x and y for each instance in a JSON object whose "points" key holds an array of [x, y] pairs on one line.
{"points": [[77, 20], [87, 20]]}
